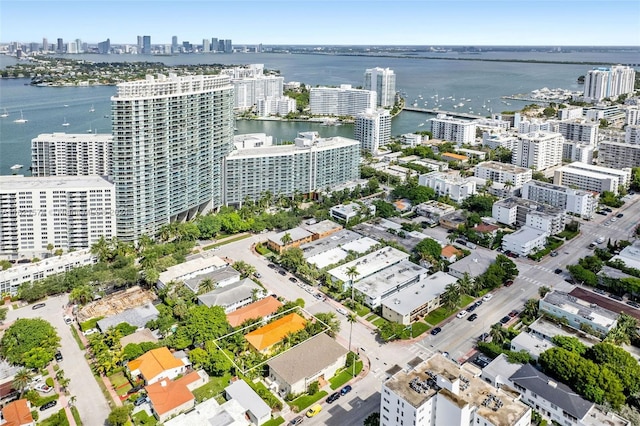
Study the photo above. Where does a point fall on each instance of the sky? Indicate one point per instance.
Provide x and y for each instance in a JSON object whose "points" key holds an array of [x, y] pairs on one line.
{"points": [[336, 22]]}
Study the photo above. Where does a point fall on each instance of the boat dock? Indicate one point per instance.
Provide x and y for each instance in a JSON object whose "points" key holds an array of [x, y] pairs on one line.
{"points": [[439, 111], [536, 100]]}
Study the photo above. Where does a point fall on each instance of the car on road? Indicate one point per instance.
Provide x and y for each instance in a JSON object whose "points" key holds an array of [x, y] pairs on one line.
{"points": [[514, 313], [68, 320], [91, 331], [553, 254], [58, 356], [509, 283], [42, 387], [333, 397], [342, 311], [272, 266], [505, 319], [345, 390], [138, 402], [616, 297], [619, 215], [487, 297], [557, 271], [293, 280], [48, 405], [462, 314], [436, 331], [603, 213], [607, 223], [282, 272], [481, 361], [321, 297], [314, 410], [39, 305], [599, 291], [608, 210], [592, 245], [613, 219], [461, 241], [478, 303], [483, 337], [471, 308], [472, 317], [257, 275], [296, 421], [634, 304]]}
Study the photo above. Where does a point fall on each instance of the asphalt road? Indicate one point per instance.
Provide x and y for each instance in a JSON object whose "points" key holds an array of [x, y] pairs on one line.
{"points": [[91, 404]]}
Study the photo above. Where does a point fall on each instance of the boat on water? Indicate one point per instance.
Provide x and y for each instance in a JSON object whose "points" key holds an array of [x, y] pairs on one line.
{"points": [[16, 167], [92, 109], [4, 114], [65, 123], [21, 119]]}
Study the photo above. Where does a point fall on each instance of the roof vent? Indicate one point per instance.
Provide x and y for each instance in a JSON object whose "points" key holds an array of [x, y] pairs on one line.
{"points": [[552, 384]]}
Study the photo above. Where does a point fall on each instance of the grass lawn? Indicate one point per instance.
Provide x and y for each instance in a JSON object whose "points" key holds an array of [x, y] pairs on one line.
{"points": [[363, 311], [436, 316], [371, 317], [57, 419], [305, 401], [466, 300], [212, 388], [344, 376], [229, 241], [141, 418], [76, 415], [417, 330], [378, 322], [118, 379], [274, 422]]}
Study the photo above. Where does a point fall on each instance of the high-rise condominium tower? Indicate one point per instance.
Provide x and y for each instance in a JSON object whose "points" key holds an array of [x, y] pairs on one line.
{"points": [[609, 82], [170, 136], [373, 129], [383, 82]]}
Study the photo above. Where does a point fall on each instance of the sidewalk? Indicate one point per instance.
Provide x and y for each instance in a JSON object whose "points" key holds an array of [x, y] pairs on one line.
{"points": [[63, 396]]}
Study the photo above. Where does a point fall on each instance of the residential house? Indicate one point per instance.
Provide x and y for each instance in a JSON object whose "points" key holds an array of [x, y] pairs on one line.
{"points": [[233, 296], [450, 253], [294, 370], [265, 337], [171, 397], [579, 313], [156, 365], [17, 413], [262, 309], [210, 412], [293, 237], [137, 317], [255, 408]]}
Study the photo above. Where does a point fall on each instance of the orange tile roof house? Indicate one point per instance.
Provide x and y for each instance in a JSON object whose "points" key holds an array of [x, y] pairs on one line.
{"points": [[155, 365], [450, 253], [169, 397], [450, 156], [17, 413], [261, 309], [265, 337]]}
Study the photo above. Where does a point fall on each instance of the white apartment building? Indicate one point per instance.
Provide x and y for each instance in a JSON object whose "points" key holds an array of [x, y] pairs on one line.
{"points": [[570, 113], [502, 173], [373, 129], [515, 211], [632, 115], [68, 212], [339, 101], [494, 140], [453, 129], [574, 201], [275, 105], [578, 130], [383, 82], [310, 165], [12, 278], [608, 82], [632, 134], [249, 90], [540, 150], [440, 392], [411, 139], [444, 184], [577, 312], [533, 125], [55, 154], [618, 155], [525, 241], [170, 136], [592, 178], [495, 122], [389, 281], [574, 151]]}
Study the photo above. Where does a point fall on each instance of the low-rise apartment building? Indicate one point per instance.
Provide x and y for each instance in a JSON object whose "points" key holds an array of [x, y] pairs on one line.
{"points": [[578, 312], [340, 101], [617, 155], [503, 173], [60, 154], [525, 241], [519, 212], [592, 178], [576, 201], [453, 186], [383, 284]]}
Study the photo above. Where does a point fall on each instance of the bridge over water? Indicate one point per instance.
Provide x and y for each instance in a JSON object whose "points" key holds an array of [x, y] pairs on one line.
{"points": [[439, 111]]}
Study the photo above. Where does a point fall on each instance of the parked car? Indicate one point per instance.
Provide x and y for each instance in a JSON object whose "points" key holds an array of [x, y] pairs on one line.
{"points": [[616, 297], [90, 331], [58, 356], [345, 390], [138, 402], [553, 254], [619, 215], [513, 313], [509, 283], [487, 297], [42, 387], [68, 320], [296, 421], [634, 304], [483, 337], [48, 405], [333, 397], [472, 317], [599, 291], [481, 361], [505, 319], [257, 275], [272, 266], [557, 271], [39, 305], [471, 308], [293, 280], [282, 272], [436, 331], [478, 303], [342, 311], [314, 410], [462, 314]]}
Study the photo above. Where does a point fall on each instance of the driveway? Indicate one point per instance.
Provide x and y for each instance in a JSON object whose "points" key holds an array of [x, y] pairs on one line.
{"points": [[91, 404]]}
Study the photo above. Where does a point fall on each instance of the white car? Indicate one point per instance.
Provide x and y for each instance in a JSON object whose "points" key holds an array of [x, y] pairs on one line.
{"points": [[90, 331], [487, 297], [42, 387], [462, 314]]}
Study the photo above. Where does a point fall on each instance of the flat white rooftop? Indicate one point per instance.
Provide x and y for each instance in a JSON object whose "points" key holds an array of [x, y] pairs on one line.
{"points": [[191, 267], [379, 284], [412, 297], [370, 264]]}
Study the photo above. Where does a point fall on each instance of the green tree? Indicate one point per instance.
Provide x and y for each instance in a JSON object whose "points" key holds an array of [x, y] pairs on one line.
{"points": [[498, 333], [430, 247], [82, 294], [286, 239], [29, 340], [543, 290], [3, 314], [626, 329], [292, 259], [352, 273], [351, 318], [330, 319], [530, 311], [620, 362], [21, 380], [384, 209], [466, 284], [245, 269], [132, 351], [372, 419], [570, 343], [451, 298], [206, 285], [199, 358], [119, 416], [205, 323]]}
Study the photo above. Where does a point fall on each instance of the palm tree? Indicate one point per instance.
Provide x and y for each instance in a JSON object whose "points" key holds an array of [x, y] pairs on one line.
{"points": [[82, 294], [450, 298], [542, 291], [21, 380], [352, 272], [206, 286], [286, 239], [244, 268], [507, 186], [625, 330], [497, 333], [465, 284], [530, 309], [351, 318], [101, 249]]}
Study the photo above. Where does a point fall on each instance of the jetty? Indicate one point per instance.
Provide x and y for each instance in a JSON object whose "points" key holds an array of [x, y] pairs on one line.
{"points": [[439, 111]]}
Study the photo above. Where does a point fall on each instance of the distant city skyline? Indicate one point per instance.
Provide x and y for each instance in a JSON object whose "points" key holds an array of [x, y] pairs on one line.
{"points": [[310, 22]]}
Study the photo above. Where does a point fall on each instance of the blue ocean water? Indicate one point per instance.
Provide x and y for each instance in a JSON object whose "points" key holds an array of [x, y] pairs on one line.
{"points": [[479, 85]]}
